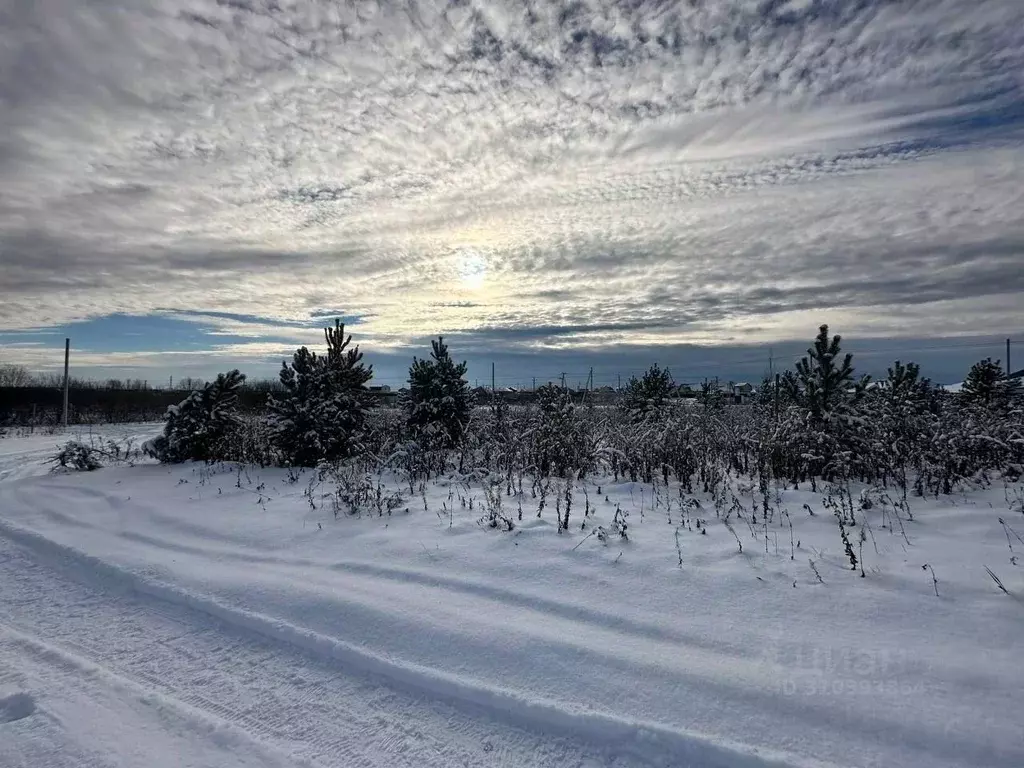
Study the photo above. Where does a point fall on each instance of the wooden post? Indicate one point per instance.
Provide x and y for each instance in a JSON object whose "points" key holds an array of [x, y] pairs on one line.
{"points": [[67, 360]]}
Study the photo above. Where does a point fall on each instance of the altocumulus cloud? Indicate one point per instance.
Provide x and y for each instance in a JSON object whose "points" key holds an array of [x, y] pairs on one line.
{"points": [[531, 175]]}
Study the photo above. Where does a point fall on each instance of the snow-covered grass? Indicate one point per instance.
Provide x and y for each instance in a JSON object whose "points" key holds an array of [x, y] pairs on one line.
{"points": [[708, 634], [25, 453]]}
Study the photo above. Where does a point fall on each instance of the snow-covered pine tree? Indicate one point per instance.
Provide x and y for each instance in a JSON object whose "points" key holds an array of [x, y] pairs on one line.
{"points": [[648, 395], [320, 415], [200, 427], [824, 385], [440, 401], [899, 414], [765, 396], [986, 386], [822, 427], [710, 395], [905, 392]]}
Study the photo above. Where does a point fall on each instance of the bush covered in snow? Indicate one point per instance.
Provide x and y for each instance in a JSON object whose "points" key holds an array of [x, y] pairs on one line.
{"points": [[77, 456], [90, 453], [201, 427]]}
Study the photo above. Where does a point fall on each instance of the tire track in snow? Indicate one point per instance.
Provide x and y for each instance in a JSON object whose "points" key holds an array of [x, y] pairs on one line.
{"points": [[632, 743], [66, 671], [197, 545], [242, 682], [293, 709], [274, 694]]}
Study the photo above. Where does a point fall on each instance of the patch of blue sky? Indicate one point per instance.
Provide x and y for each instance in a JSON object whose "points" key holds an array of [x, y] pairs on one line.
{"points": [[141, 333]]}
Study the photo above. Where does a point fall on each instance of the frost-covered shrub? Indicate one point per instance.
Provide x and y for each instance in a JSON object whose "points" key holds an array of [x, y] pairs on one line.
{"points": [[563, 440], [81, 456], [78, 457], [252, 442], [202, 427], [320, 416]]}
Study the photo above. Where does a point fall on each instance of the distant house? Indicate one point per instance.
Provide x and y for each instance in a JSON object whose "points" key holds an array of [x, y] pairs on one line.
{"points": [[382, 393], [738, 393]]}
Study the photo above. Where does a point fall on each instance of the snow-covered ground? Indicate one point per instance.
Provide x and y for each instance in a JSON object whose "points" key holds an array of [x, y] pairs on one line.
{"points": [[188, 615], [28, 454]]}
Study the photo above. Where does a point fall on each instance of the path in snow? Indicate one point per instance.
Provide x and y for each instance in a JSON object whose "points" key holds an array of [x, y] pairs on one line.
{"points": [[101, 678]]}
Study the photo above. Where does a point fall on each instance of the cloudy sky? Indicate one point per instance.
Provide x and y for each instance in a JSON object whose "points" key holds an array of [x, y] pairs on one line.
{"points": [[190, 185]]}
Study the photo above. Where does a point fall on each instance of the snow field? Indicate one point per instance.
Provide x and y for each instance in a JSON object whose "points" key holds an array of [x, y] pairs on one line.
{"points": [[731, 659]]}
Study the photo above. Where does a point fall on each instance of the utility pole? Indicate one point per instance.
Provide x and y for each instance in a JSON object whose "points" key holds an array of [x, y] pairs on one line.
{"points": [[590, 380], [1009, 368], [534, 383], [618, 380], [776, 397], [67, 361], [563, 379], [493, 388]]}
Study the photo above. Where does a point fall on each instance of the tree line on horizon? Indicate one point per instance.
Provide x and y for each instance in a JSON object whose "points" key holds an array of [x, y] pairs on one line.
{"points": [[318, 409], [816, 420]]}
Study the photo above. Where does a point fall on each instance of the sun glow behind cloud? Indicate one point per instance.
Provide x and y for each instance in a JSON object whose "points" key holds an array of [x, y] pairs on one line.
{"points": [[472, 269]]}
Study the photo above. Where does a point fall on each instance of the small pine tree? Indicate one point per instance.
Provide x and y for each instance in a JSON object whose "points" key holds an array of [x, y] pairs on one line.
{"points": [[986, 386], [906, 392], [765, 397], [710, 395], [773, 393], [200, 427], [440, 401], [321, 413], [823, 385], [648, 395]]}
